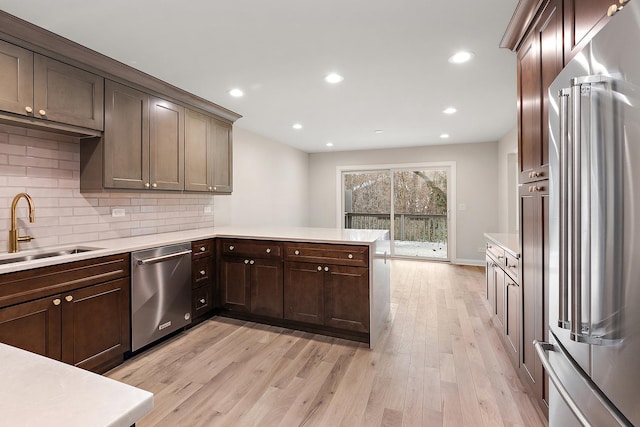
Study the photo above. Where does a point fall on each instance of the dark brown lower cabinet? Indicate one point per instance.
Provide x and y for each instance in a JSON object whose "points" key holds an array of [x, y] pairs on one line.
{"points": [[87, 328], [331, 295], [77, 312], [252, 286], [534, 211]]}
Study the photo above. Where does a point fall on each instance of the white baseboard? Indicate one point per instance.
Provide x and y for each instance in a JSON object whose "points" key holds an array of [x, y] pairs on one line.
{"points": [[476, 262]]}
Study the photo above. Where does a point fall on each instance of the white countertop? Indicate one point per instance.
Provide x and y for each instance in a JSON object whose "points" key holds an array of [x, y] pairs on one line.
{"points": [[130, 244], [509, 241], [42, 392]]}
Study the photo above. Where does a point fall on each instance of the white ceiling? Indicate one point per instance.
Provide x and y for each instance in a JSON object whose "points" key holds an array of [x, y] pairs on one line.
{"points": [[392, 53]]}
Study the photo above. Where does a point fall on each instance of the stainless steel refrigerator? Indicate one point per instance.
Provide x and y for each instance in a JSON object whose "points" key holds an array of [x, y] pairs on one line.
{"points": [[593, 357]]}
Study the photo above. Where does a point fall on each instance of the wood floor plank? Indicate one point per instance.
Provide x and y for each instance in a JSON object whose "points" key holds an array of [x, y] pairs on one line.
{"points": [[439, 362]]}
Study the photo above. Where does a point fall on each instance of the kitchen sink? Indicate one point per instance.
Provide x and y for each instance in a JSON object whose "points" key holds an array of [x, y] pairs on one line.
{"points": [[49, 254]]}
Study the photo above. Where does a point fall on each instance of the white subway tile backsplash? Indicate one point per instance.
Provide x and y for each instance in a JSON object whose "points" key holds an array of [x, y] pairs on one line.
{"points": [[47, 166]]}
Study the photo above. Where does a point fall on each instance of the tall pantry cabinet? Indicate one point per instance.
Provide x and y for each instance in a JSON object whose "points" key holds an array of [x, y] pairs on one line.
{"points": [[545, 35]]}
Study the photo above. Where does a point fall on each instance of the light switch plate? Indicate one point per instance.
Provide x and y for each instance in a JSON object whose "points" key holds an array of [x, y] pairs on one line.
{"points": [[207, 209]]}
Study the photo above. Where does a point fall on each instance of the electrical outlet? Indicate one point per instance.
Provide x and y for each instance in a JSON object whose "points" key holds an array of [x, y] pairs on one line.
{"points": [[116, 213], [207, 209]]}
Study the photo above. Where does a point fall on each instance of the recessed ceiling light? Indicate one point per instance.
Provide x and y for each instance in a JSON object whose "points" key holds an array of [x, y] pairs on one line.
{"points": [[444, 136], [329, 144], [236, 93], [378, 131], [461, 57], [334, 78], [297, 126], [449, 110]]}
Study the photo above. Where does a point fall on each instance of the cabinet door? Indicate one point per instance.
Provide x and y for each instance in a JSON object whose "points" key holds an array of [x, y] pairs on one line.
{"points": [[490, 283], [346, 297], [222, 171], [166, 145], [197, 152], [33, 326], [511, 326], [540, 59], [235, 291], [534, 281], [202, 302], [126, 137], [303, 292], [582, 19], [500, 296], [95, 325], [267, 288], [16, 84], [67, 94]]}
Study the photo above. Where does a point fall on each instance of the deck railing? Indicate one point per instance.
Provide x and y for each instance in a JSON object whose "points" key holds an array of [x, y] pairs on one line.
{"points": [[407, 227]]}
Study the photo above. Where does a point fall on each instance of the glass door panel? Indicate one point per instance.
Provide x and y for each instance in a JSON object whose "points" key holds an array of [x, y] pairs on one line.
{"points": [[367, 200]]}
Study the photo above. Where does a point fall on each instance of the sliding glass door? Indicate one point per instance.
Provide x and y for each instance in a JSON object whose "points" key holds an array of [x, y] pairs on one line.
{"points": [[412, 203]]}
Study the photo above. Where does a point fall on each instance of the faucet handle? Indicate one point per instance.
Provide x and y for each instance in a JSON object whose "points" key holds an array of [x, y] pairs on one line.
{"points": [[25, 238]]}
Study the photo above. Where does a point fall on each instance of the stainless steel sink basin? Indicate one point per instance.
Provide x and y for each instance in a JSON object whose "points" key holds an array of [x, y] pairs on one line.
{"points": [[49, 254]]}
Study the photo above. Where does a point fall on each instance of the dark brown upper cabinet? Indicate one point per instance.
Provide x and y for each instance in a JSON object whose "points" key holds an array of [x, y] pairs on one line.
{"points": [[36, 86], [143, 143], [582, 19], [208, 160]]}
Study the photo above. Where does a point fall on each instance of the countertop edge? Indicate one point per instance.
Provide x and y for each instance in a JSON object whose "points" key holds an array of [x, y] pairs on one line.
{"points": [[508, 241]]}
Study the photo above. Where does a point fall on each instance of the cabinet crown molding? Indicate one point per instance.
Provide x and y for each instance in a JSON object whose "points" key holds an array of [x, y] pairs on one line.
{"points": [[522, 18]]}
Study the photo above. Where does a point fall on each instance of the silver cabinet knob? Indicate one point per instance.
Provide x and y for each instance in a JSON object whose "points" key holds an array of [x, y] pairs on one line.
{"points": [[202, 301], [326, 269], [231, 247], [319, 268], [297, 252], [203, 248], [69, 298], [215, 188], [350, 256], [28, 109], [42, 112], [203, 272], [246, 261], [210, 188], [147, 185], [268, 250], [252, 262], [154, 185], [57, 300]]}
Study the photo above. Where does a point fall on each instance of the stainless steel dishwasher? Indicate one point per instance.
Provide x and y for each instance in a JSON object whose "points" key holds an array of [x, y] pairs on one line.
{"points": [[160, 293]]}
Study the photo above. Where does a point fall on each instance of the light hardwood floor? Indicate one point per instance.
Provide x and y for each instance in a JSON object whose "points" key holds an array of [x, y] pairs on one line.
{"points": [[439, 362]]}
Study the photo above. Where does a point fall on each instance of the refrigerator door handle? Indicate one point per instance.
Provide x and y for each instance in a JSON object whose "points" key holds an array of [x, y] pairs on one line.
{"points": [[565, 188], [542, 348]]}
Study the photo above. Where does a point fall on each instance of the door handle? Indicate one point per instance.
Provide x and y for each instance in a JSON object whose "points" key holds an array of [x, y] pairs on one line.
{"points": [[163, 257]]}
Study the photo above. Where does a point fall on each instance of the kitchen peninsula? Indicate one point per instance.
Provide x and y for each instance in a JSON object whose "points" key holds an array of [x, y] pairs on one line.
{"points": [[320, 249]]}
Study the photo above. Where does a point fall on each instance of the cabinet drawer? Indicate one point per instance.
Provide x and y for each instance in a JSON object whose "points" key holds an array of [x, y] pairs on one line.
{"points": [[201, 271], [496, 252], [252, 248], [201, 248], [41, 282], [328, 254], [512, 265], [202, 302]]}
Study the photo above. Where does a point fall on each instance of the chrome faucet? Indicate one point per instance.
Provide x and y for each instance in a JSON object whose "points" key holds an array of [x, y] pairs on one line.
{"points": [[13, 232]]}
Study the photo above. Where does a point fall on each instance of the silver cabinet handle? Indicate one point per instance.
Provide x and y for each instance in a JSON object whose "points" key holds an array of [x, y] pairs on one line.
{"points": [[326, 269], [163, 257], [154, 185], [56, 301], [147, 185], [296, 252], [246, 261], [252, 262], [202, 301], [350, 256], [268, 250], [319, 268], [28, 109], [203, 272], [231, 247], [42, 112], [203, 249], [69, 298]]}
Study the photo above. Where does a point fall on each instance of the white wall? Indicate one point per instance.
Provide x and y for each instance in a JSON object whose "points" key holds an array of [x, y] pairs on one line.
{"points": [[270, 184], [477, 181], [508, 182]]}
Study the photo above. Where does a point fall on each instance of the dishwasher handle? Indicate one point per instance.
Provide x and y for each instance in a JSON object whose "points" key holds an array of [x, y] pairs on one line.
{"points": [[163, 257]]}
